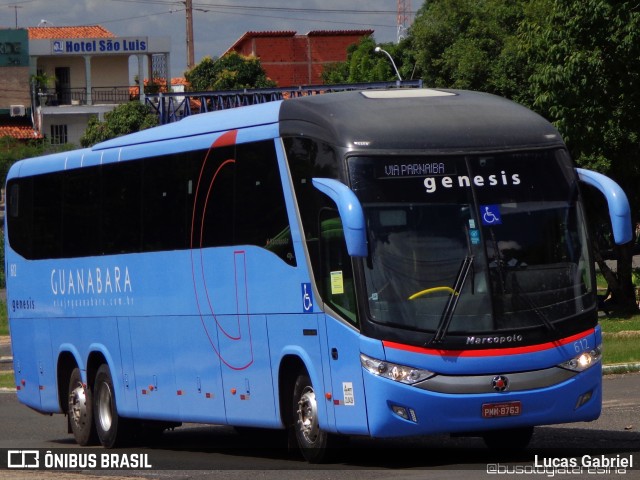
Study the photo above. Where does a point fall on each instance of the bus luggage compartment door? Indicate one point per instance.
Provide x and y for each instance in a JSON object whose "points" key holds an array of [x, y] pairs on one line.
{"points": [[26, 358]]}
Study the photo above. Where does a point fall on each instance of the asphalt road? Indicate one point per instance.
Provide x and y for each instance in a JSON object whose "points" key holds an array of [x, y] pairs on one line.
{"points": [[208, 452]]}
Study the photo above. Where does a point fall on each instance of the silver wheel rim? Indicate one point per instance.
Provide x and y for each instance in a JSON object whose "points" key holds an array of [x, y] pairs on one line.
{"points": [[78, 405], [104, 407], [308, 415]]}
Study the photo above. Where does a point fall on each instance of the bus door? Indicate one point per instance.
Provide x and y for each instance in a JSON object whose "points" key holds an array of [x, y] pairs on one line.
{"points": [[343, 346]]}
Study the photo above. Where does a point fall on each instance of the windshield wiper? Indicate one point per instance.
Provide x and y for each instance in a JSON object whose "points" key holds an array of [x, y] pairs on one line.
{"points": [[517, 291], [452, 303]]}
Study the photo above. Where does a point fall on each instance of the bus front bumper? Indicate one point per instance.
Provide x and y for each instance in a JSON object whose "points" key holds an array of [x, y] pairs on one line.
{"points": [[395, 409]]}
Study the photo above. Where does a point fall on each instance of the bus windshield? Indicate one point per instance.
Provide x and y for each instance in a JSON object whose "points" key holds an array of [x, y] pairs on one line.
{"points": [[473, 244]]}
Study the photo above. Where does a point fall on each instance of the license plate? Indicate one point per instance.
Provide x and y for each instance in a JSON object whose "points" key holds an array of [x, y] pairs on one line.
{"points": [[505, 409]]}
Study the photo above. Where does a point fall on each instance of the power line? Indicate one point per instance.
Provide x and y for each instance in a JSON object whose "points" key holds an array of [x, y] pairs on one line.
{"points": [[222, 10], [146, 15], [316, 20], [266, 8], [297, 10]]}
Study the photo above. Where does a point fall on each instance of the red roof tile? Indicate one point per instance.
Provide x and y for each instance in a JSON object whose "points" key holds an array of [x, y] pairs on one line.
{"points": [[22, 132], [86, 31]]}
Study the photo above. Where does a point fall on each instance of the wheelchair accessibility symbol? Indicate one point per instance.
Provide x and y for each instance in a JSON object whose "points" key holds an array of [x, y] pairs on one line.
{"points": [[490, 214], [307, 298]]}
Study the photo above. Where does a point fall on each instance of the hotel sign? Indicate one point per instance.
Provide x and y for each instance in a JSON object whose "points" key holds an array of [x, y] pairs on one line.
{"points": [[99, 46]]}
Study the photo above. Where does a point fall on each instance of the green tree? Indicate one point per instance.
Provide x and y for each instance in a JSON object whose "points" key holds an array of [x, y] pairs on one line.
{"points": [[12, 150], [584, 59], [125, 118], [469, 45], [231, 72], [364, 64]]}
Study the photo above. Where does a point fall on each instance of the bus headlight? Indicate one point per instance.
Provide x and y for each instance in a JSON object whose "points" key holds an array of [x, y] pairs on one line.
{"points": [[393, 371], [585, 360]]}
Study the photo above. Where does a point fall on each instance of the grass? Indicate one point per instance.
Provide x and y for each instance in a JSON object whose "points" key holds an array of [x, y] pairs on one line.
{"points": [[6, 380], [4, 321], [6, 375], [620, 338], [617, 324]]}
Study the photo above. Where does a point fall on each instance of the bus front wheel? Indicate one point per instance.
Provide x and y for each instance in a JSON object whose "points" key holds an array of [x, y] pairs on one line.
{"points": [[109, 425], [311, 439], [80, 410]]}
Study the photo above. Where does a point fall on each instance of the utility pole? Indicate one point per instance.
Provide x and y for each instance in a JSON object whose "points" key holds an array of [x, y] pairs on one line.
{"points": [[15, 7], [190, 56]]}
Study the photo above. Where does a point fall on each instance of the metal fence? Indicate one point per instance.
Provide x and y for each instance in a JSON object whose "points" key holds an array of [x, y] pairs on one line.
{"points": [[171, 107]]}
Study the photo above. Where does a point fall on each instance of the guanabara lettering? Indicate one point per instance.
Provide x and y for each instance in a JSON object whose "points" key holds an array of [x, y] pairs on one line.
{"points": [[90, 280]]}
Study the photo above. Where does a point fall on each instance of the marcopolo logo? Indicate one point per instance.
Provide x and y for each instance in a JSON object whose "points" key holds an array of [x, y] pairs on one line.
{"points": [[494, 340]]}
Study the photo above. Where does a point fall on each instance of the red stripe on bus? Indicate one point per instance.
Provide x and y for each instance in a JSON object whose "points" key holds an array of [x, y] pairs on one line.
{"points": [[489, 352]]}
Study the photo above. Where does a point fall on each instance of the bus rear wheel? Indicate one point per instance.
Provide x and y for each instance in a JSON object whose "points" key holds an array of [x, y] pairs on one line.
{"points": [[110, 427], [80, 410]]}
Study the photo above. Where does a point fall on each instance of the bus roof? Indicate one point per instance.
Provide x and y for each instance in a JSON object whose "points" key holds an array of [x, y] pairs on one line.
{"points": [[399, 119], [446, 120], [219, 121], [402, 118]]}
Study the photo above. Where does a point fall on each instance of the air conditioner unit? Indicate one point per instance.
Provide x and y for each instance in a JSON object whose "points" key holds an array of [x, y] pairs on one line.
{"points": [[17, 110]]}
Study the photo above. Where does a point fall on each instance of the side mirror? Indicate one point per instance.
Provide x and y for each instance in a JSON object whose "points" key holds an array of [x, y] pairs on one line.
{"points": [[619, 210], [350, 211]]}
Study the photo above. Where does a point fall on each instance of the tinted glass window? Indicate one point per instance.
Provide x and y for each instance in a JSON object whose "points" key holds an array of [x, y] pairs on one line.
{"points": [[332, 266], [121, 230], [208, 198], [478, 243]]}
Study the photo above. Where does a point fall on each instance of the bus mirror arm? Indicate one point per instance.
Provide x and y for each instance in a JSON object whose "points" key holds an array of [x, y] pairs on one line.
{"points": [[619, 210], [350, 211]]}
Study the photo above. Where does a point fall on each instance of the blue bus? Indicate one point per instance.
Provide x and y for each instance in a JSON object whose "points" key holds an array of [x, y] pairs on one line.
{"points": [[381, 263]]}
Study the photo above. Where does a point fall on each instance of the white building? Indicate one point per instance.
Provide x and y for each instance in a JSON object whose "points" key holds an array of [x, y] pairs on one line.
{"points": [[75, 73]]}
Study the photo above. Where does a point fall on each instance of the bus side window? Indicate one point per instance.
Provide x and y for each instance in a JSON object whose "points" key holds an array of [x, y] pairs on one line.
{"points": [[337, 271], [260, 209]]}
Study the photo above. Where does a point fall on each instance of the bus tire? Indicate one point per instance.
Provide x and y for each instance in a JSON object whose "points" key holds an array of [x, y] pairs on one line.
{"points": [[311, 439], [80, 410], [510, 439], [110, 427]]}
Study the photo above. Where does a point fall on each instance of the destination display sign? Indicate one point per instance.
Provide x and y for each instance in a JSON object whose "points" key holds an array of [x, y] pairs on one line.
{"points": [[414, 168]]}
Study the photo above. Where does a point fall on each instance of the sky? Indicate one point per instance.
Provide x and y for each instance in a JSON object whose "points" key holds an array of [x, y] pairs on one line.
{"points": [[217, 24]]}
